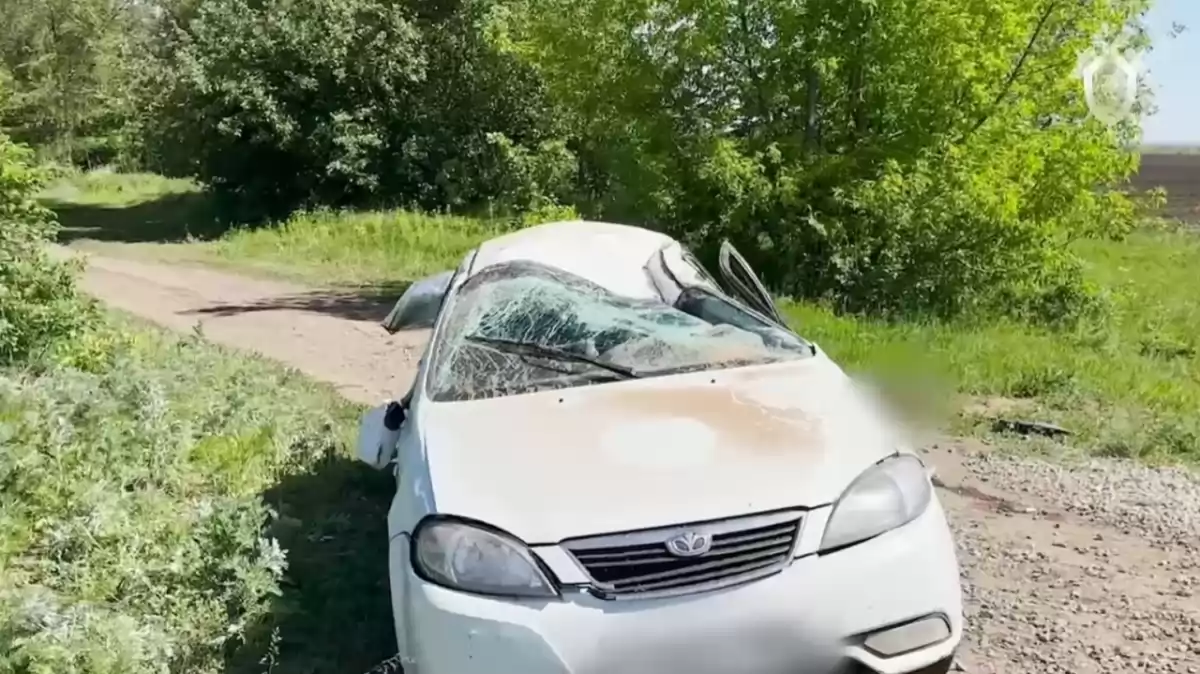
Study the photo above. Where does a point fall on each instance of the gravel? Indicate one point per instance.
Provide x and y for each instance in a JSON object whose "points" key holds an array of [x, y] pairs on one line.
{"points": [[1161, 505], [1084, 568]]}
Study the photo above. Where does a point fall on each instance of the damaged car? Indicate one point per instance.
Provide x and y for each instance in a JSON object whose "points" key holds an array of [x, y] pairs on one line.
{"points": [[611, 462]]}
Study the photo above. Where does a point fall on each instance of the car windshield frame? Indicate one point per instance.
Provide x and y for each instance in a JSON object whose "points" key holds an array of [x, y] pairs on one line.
{"points": [[547, 306]]}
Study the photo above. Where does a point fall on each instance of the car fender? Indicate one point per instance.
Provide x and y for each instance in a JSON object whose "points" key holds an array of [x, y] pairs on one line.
{"points": [[398, 580]]}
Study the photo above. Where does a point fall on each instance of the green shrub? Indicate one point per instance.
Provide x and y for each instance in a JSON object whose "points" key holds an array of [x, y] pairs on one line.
{"points": [[352, 102], [133, 514], [39, 306]]}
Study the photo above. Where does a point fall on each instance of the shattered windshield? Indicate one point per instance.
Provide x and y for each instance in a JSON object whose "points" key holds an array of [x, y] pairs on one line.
{"points": [[522, 327]]}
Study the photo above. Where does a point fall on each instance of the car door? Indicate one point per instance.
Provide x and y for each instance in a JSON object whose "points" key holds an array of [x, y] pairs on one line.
{"points": [[741, 281]]}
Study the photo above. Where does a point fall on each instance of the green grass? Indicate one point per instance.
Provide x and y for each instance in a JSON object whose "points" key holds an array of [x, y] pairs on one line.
{"points": [[102, 207], [177, 507], [114, 190], [1129, 387], [355, 248]]}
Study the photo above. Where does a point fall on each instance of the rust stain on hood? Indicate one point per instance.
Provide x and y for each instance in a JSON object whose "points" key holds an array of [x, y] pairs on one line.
{"points": [[737, 420], [741, 413]]}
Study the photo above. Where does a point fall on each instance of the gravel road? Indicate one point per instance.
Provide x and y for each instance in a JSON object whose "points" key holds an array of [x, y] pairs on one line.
{"points": [[1083, 569]]}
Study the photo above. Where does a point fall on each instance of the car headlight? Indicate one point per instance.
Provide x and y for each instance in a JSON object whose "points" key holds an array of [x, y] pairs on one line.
{"points": [[888, 495], [471, 557]]}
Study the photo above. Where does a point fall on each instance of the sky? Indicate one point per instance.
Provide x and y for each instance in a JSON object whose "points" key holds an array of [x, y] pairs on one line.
{"points": [[1174, 74]]}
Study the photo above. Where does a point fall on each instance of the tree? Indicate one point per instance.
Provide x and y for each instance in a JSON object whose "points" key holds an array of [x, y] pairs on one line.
{"points": [[67, 66], [887, 155]]}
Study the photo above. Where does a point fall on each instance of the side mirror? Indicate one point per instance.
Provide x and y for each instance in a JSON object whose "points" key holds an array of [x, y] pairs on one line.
{"points": [[378, 433], [418, 307]]}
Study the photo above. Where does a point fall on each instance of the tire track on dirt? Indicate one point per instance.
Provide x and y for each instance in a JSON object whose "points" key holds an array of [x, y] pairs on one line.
{"points": [[1083, 570]]}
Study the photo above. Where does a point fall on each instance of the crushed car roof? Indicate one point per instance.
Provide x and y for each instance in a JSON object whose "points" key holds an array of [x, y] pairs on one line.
{"points": [[611, 255]]}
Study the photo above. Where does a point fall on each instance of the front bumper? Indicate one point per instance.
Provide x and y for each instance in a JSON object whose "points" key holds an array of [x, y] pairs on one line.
{"points": [[814, 617]]}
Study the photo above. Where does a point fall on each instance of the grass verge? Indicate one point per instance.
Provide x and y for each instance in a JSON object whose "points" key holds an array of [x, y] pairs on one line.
{"points": [[1128, 387], [172, 506], [370, 248], [103, 207]]}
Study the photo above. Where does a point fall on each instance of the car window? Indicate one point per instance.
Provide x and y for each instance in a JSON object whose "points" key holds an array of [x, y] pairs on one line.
{"points": [[718, 310], [691, 260], [532, 304]]}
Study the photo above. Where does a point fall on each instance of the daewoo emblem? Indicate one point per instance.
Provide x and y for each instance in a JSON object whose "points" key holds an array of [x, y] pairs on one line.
{"points": [[689, 544]]}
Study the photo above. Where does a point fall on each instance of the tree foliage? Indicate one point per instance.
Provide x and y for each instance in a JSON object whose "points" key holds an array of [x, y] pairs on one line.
{"points": [[915, 155], [886, 156], [66, 65], [348, 102]]}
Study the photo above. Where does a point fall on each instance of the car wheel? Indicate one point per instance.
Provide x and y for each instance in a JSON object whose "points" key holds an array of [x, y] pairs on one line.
{"points": [[390, 666]]}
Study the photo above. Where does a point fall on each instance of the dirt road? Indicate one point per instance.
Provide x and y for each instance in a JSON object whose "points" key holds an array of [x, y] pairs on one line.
{"points": [[328, 335], [1085, 569]]}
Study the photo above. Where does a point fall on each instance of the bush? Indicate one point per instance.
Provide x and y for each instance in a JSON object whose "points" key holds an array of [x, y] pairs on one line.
{"points": [[132, 516], [948, 234], [39, 306], [355, 102]]}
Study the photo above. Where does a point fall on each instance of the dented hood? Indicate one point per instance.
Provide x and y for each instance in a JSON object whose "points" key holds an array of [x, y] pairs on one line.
{"points": [[654, 452]]}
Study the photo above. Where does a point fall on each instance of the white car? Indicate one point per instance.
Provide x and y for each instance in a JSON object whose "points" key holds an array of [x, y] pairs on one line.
{"points": [[611, 463]]}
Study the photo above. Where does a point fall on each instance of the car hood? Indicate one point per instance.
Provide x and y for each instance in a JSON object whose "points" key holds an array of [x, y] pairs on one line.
{"points": [[654, 452]]}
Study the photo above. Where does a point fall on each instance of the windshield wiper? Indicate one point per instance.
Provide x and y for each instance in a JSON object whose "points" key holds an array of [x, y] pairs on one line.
{"points": [[543, 351]]}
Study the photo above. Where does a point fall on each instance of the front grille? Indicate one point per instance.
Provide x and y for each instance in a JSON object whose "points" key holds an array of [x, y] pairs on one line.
{"points": [[638, 564]]}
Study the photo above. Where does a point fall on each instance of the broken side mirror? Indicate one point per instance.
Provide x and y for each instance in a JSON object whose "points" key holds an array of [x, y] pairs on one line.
{"points": [[379, 432], [418, 307]]}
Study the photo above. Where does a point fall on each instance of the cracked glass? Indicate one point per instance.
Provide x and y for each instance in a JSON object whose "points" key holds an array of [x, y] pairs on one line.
{"points": [[523, 327]]}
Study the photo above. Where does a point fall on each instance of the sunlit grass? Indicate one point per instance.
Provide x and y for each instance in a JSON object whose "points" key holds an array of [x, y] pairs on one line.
{"points": [[1127, 388], [113, 189], [352, 248]]}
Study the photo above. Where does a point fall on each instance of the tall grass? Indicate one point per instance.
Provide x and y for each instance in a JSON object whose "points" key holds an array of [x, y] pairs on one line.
{"points": [[104, 187], [348, 248]]}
